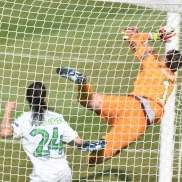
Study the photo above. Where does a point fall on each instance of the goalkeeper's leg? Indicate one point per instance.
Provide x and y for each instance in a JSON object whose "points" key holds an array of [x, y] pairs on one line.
{"points": [[130, 127], [85, 90], [115, 143], [85, 94]]}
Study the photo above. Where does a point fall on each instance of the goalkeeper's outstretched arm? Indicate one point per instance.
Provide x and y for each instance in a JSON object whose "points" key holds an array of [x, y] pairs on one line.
{"points": [[164, 34]]}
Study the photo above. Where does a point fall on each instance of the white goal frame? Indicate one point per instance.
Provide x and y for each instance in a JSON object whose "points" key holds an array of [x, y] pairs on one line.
{"points": [[167, 123]]}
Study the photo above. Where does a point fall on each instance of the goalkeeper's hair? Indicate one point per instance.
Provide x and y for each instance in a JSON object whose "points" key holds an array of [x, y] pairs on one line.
{"points": [[36, 94], [174, 60]]}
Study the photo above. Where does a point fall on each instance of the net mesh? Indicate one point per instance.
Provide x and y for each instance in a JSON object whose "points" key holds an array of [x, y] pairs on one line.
{"points": [[37, 37]]}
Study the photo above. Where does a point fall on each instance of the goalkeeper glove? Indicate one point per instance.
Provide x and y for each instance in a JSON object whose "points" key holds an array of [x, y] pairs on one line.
{"points": [[84, 146], [163, 34], [129, 31], [94, 146]]}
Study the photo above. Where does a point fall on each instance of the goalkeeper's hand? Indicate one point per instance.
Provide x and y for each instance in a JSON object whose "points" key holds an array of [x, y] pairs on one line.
{"points": [[129, 31], [163, 34], [84, 146], [94, 146]]}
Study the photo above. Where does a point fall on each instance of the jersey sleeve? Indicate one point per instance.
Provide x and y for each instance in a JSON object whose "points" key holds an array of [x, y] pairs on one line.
{"points": [[136, 44], [17, 126], [68, 133]]}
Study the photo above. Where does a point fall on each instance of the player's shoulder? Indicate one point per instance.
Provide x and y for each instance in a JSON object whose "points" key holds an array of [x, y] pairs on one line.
{"points": [[21, 119], [52, 114], [24, 115]]}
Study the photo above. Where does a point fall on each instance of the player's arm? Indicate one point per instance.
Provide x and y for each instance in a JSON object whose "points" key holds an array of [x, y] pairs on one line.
{"points": [[77, 141], [163, 34], [138, 42], [6, 128], [151, 50]]}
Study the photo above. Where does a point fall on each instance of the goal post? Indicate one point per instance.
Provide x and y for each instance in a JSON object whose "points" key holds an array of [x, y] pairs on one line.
{"points": [[38, 36], [168, 122]]}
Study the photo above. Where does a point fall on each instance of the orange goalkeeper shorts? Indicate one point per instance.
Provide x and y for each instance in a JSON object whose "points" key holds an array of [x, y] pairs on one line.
{"points": [[127, 119]]}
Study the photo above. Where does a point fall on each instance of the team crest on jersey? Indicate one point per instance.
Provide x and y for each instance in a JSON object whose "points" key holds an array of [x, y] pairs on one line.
{"points": [[143, 56]]}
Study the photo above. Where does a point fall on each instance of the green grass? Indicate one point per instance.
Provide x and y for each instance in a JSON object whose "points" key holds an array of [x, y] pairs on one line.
{"points": [[37, 37]]}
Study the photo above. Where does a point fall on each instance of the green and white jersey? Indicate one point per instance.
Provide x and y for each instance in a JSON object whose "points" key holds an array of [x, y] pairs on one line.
{"points": [[43, 143]]}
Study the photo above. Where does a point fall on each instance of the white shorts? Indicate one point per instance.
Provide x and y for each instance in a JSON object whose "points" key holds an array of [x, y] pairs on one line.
{"points": [[66, 176]]}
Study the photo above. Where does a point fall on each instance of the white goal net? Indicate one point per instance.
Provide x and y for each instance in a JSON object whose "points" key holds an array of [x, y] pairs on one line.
{"points": [[37, 37]]}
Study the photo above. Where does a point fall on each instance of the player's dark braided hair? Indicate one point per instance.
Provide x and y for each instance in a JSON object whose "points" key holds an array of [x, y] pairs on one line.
{"points": [[36, 94], [174, 60]]}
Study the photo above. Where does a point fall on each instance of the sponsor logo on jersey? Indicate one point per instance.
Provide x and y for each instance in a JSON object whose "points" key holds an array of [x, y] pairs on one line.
{"points": [[143, 56], [50, 121]]}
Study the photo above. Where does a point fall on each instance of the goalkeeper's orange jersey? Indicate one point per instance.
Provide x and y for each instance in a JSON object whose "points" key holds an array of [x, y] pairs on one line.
{"points": [[155, 81]]}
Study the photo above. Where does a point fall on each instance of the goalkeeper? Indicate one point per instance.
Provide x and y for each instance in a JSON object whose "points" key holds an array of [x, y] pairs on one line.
{"points": [[130, 115]]}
